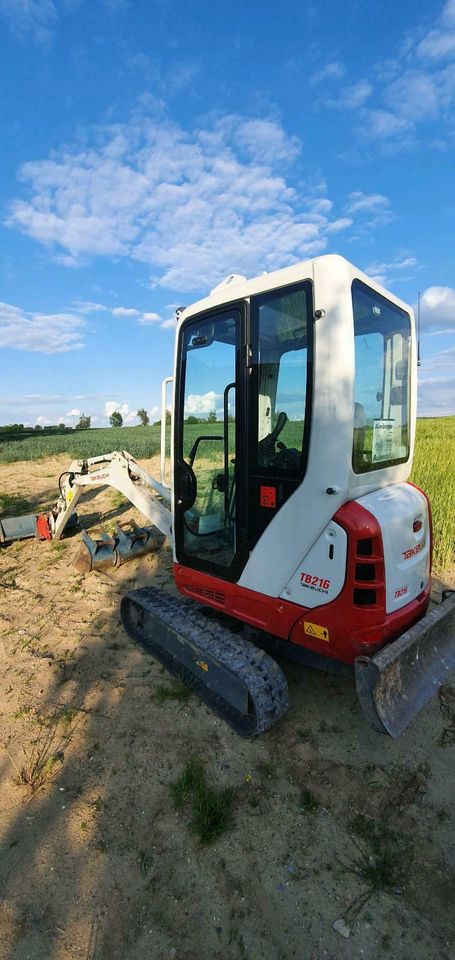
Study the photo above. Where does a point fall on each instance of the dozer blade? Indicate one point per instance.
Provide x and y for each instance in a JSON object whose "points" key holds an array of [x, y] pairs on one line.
{"points": [[29, 525], [237, 680], [395, 684]]}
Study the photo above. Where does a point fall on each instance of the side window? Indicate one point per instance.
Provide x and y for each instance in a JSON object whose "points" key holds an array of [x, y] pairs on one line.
{"points": [[281, 329], [382, 338], [291, 394]]}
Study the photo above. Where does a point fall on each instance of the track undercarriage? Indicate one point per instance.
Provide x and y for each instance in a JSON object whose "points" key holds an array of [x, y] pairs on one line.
{"points": [[240, 682]]}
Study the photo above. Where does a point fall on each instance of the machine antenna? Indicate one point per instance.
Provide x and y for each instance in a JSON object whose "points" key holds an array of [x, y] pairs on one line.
{"points": [[419, 362]]}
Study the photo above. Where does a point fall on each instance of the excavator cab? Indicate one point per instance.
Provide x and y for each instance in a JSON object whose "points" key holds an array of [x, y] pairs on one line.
{"points": [[294, 396]]}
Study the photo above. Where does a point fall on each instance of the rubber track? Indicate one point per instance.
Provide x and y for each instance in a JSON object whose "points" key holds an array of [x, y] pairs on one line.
{"points": [[263, 678]]}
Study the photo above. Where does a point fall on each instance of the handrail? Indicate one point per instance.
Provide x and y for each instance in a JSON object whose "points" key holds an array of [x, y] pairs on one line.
{"points": [[164, 384]]}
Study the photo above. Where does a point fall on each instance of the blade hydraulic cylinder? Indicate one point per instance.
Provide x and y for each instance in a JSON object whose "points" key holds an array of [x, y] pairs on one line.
{"points": [[395, 684]]}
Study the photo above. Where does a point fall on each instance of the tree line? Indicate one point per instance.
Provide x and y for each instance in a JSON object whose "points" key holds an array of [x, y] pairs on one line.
{"points": [[115, 420]]}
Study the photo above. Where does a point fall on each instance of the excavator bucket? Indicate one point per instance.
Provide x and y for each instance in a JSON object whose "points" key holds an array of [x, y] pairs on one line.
{"points": [[126, 544], [395, 684]]}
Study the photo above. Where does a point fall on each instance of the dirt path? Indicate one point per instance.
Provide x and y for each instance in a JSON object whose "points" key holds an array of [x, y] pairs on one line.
{"points": [[98, 865]]}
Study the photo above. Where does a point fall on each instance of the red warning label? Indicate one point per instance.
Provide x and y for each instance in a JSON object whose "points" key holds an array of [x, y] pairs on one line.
{"points": [[268, 496]]}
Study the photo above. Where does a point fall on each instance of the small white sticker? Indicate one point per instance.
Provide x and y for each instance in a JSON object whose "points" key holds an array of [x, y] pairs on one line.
{"points": [[382, 440]]}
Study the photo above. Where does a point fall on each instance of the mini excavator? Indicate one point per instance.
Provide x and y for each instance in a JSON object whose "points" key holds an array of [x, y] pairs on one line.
{"points": [[290, 513]]}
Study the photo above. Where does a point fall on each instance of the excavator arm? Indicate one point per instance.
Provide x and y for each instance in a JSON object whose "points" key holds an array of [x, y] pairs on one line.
{"points": [[117, 469]]}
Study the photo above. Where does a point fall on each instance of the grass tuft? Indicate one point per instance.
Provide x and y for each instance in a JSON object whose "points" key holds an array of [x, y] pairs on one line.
{"points": [[46, 755], [309, 803], [212, 810], [383, 862], [174, 690], [188, 782], [266, 768]]}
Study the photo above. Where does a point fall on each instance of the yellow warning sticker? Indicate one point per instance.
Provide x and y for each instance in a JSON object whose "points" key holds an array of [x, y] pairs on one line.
{"points": [[314, 630], [69, 496], [202, 665]]}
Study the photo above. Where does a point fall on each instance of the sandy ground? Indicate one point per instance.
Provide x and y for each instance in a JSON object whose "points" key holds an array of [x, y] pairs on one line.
{"points": [[98, 865]]}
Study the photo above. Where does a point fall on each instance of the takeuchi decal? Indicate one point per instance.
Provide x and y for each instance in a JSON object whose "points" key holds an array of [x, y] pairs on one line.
{"points": [[407, 554], [314, 582]]}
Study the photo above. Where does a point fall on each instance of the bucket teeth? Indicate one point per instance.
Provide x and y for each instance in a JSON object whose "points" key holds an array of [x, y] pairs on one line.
{"points": [[126, 544], [96, 554]]}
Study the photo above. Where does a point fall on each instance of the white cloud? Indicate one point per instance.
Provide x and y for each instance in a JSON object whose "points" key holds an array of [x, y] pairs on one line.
{"points": [[381, 272], [439, 43], [341, 224], [43, 421], [436, 395], [200, 404], [417, 96], [383, 124], [362, 201], [332, 71], [193, 206], [264, 141], [72, 414], [415, 89], [111, 406], [38, 332], [35, 18], [170, 323], [352, 96], [125, 312], [66, 260], [87, 306], [38, 18], [437, 305], [149, 318], [373, 207]]}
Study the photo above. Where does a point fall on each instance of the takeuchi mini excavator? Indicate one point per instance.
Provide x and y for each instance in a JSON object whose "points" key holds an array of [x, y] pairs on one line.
{"points": [[290, 510]]}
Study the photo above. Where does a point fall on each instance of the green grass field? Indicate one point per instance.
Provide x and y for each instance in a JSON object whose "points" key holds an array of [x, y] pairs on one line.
{"points": [[434, 471], [433, 468]]}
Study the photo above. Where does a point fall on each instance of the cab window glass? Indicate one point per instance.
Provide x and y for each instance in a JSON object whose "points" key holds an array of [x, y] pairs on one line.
{"points": [[280, 378], [382, 337]]}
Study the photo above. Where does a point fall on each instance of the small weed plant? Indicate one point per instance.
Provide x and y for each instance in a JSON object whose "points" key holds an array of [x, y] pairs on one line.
{"points": [[309, 802], [46, 755], [384, 857], [175, 690], [211, 809]]}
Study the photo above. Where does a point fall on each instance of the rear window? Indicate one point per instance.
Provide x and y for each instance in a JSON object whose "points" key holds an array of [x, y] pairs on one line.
{"points": [[382, 337]]}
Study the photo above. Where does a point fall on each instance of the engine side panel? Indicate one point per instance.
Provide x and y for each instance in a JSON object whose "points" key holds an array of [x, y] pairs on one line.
{"points": [[403, 516], [320, 576]]}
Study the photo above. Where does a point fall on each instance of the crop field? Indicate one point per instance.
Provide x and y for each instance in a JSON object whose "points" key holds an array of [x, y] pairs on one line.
{"points": [[433, 468]]}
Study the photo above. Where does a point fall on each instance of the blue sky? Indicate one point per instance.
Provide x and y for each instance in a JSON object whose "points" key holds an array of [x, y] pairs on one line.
{"points": [[151, 147]]}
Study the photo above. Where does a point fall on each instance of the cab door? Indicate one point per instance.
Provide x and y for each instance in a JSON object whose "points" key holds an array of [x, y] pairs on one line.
{"points": [[208, 467]]}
